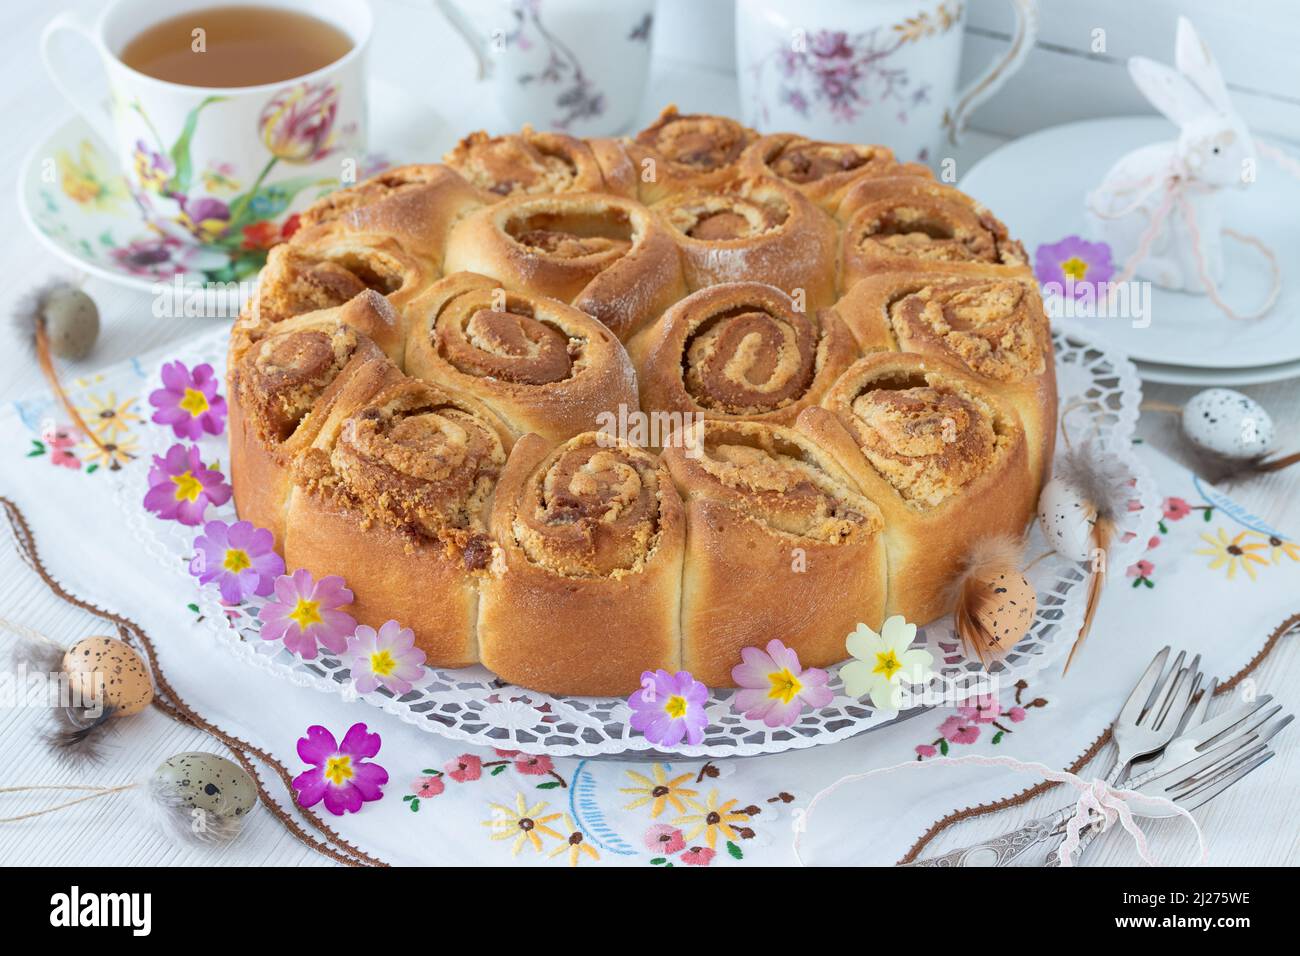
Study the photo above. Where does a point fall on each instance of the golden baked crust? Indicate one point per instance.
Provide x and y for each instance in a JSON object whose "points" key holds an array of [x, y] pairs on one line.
{"points": [[584, 596], [754, 229], [540, 365], [994, 326], [822, 171], [904, 223], [681, 152], [779, 541], [940, 454], [740, 350], [856, 359], [527, 162], [605, 255]]}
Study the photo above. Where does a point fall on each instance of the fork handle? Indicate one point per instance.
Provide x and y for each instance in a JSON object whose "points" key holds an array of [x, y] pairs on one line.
{"points": [[1002, 849]]}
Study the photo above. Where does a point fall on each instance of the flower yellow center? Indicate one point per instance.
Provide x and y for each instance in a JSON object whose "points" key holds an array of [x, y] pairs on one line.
{"points": [[306, 613], [382, 663], [784, 685], [236, 560], [338, 770], [675, 706], [887, 664], [1075, 268], [194, 402], [188, 488]]}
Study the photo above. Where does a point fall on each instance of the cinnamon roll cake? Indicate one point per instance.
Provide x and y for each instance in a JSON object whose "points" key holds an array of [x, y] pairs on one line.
{"points": [[902, 223], [740, 350], [604, 255], [585, 595], [758, 229], [393, 494], [855, 359], [942, 457], [540, 365], [779, 541]]}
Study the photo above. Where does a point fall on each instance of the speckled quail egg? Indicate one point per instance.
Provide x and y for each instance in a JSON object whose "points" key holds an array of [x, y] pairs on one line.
{"points": [[108, 667], [1067, 518], [1228, 423], [71, 321], [1005, 611], [197, 780]]}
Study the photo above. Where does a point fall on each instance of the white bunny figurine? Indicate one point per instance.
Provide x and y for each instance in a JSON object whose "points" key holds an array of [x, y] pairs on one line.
{"points": [[1169, 180]]}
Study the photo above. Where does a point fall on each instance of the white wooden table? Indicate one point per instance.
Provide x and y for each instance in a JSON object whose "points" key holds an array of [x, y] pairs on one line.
{"points": [[105, 832]]}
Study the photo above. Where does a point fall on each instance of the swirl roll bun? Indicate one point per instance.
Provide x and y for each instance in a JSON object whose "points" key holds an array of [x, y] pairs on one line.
{"points": [[822, 171], [765, 504], [540, 365], [696, 151], [605, 255], [943, 458], [754, 229], [586, 594], [283, 384], [995, 327], [527, 162], [393, 495], [906, 223], [740, 350]]}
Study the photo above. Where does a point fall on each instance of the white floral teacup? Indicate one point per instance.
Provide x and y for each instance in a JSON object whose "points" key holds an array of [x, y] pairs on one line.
{"points": [[223, 168], [574, 65], [882, 71]]}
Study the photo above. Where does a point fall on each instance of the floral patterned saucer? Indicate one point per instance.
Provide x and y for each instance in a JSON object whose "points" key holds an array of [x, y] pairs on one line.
{"points": [[74, 198]]}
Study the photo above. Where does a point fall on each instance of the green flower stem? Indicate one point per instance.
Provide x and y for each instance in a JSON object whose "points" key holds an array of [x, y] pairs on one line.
{"points": [[237, 209]]}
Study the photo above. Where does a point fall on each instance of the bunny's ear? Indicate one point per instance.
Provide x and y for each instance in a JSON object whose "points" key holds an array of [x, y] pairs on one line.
{"points": [[1170, 92], [1196, 62]]}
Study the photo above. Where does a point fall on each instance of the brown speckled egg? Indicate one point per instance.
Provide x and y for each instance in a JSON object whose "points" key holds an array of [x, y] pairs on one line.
{"points": [[108, 666], [1007, 611]]}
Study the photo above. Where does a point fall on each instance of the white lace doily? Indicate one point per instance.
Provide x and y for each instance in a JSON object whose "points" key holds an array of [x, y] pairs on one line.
{"points": [[474, 706]]}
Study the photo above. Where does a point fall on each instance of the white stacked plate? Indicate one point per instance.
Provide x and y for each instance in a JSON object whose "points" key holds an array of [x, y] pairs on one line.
{"points": [[1037, 185]]}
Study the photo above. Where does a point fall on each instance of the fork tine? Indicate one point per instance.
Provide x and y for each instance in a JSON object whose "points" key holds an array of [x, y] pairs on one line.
{"points": [[1179, 777], [1245, 751], [1141, 693], [1196, 715], [1205, 796], [1228, 720], [1269, 731], [1173, 704], [1160, 697]]}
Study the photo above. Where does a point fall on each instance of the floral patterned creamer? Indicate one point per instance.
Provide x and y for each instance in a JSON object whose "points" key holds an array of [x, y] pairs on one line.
{"points": [[879, 72]]}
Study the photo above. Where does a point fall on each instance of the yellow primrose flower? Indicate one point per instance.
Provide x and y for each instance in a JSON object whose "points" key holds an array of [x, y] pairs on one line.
{"points": [[883, 661]]}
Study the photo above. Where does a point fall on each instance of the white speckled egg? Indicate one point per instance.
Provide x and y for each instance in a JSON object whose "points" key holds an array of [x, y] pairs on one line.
{"points": [[207, 782], [1228, 423], [1006, 608], [1067, 517], [107, 666]]}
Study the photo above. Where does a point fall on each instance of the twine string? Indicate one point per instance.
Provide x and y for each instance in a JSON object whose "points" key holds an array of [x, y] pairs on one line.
{"points": [[95, 793]]}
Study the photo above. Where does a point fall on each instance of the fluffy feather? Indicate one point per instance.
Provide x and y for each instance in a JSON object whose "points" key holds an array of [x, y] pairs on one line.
{"points": [[78, 737], [177, 819]]}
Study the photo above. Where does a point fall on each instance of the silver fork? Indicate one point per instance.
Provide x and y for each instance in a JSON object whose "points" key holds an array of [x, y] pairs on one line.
{"points": [[1146, 723], [1200, 780]]}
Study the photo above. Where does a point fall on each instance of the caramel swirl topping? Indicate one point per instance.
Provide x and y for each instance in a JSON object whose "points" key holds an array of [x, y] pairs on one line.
{"points": [[927, 441], [712, 218], [987, 325], [511, 165], [285, 375], [748, 361], [420, 463], [778, 483], [808, 162], [593, 512], [704, 143], [512, 345]]}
